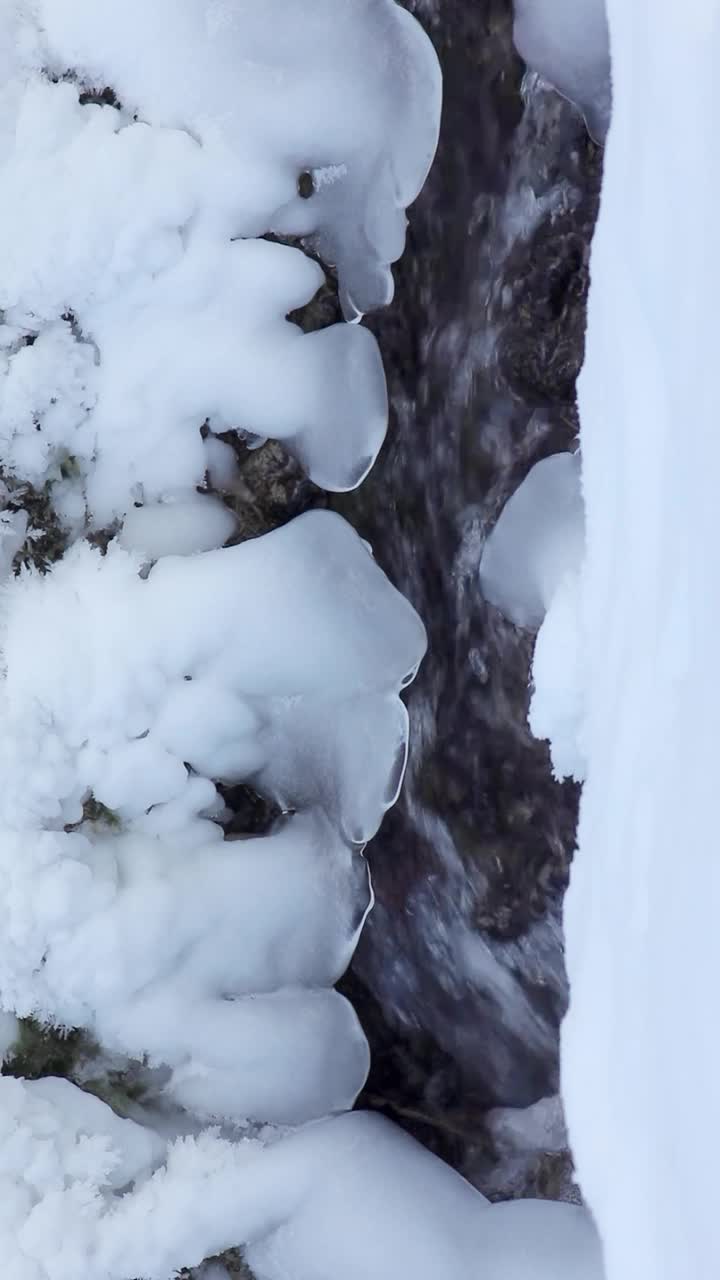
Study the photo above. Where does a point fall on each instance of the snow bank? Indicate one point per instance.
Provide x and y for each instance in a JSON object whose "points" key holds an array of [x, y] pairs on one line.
{"points": [[128, 254], [639, 1046], [567, 42], [537, 540]]}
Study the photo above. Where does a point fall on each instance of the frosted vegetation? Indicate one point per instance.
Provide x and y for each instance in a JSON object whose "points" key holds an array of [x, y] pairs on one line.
{"points": [[147, 667]]}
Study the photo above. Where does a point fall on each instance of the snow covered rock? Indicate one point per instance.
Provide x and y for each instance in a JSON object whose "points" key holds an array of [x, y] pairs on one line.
{"points": [[129, 256], [567, 42], [284, 671], [293, 1203], [537, 540], [639, 1049]]}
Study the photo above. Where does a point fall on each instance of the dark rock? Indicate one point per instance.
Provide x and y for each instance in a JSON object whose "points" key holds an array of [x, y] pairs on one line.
{"points": [[271, 488], [459, 976], [248, 813]]}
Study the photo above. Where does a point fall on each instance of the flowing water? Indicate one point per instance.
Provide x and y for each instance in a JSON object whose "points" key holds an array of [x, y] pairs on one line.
{"points": [[459, 976]]}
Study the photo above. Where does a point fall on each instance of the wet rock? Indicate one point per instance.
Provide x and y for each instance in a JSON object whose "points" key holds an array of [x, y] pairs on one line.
{"points": [[270, 488], [459, 976]]}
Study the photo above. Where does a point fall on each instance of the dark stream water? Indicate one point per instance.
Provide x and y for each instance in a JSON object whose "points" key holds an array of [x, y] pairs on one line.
{"points": [[459, 976]]}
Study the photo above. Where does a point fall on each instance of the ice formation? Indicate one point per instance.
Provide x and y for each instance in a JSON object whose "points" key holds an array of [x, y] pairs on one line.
{"points": [[567, 42], [537, 541], [138, 303]]}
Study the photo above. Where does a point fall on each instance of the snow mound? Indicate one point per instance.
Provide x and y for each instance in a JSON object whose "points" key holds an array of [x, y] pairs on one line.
{"points": [[538, 539], [294, 1203], [567, 42], [138, 304], [286, 673]]}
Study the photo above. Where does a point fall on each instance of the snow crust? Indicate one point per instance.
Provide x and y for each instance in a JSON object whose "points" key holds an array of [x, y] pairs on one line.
{"points": [[567, 42]]}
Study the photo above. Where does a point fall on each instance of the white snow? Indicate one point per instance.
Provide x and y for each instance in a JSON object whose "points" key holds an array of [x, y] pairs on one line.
{"points": [[540, 1127], [567, 42], [142, 316], [639, 1045], [191, 523], [9, 1031], [126, 235], [285, 671], [351, 1197], [537, 540], [558, 672]]}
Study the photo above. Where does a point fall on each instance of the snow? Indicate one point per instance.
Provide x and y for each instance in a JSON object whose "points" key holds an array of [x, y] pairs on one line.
{"points": [[9, 1031], [558, 673], [298, 1202], [540, 1127], [143, 315], [566, 41], [128, 247], [285, 672], [200, 522], [639, 1045], [529, 569], [537, 541]]}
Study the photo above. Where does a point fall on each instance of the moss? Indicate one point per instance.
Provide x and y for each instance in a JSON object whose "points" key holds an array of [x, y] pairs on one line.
{"points": [[42, 1050], [97, 815]]}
